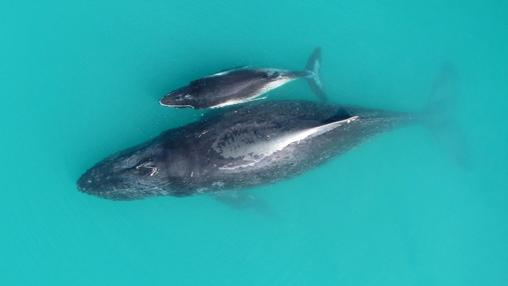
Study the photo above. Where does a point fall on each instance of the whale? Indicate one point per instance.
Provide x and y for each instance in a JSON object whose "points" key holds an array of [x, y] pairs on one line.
{"points": [[241, 85], [251, 145], [263, 142]]}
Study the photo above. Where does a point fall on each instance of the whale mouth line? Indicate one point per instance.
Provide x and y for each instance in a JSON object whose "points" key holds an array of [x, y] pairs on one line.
{"points": [[125, 194], [116, 195], [176, 105]]}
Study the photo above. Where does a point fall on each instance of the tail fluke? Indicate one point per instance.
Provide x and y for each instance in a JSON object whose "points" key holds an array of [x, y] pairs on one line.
{"points": [[438, 118], [312, 68]]}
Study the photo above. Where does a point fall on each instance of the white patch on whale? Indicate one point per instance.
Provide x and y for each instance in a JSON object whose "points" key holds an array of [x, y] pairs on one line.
{"points": [[274, 84], [219, 73], [237, 101], [279, 81], [255, 150]]}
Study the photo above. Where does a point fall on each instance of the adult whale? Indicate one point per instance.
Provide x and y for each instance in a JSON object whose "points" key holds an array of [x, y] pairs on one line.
{"points": [[243, 147]]}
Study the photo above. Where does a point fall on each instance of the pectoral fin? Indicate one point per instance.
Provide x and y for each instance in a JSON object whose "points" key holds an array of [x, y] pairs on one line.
{"points": [[235, 199], [242, 200]]}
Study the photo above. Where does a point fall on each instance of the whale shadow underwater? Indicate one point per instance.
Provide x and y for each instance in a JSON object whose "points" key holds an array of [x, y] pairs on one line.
{"points": [[257, 143]]}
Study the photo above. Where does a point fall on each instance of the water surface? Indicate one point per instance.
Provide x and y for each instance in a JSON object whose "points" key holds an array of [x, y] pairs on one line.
{"points": [[81, 79]]}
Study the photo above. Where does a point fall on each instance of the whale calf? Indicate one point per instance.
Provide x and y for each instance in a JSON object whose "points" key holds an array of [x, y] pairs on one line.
{"points": [[250, 145], [241, 85]]}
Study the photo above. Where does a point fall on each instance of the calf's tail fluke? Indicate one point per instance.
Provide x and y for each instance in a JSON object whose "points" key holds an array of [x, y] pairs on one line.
{"points": [[438, 116], [313, 79]]}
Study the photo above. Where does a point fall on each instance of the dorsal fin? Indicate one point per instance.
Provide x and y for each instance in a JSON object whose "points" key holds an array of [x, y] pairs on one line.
{"points": [[315, 131], [341, 114]]}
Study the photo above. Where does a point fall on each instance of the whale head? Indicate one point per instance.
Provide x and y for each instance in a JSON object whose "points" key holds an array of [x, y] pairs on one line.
{"points": [[180, 98], [132, 174]]}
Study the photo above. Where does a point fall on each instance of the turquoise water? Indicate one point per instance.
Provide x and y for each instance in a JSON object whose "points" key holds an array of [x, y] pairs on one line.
{"points": [[81, 79]]}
